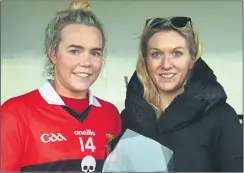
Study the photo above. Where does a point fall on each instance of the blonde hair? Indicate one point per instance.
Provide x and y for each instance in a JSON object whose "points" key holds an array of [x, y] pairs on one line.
{"points": [[151, 93], [80, 5], [78, 12]]}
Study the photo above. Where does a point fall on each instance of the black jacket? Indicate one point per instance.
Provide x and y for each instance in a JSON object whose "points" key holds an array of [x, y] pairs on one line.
{"points": [[199, 126]]}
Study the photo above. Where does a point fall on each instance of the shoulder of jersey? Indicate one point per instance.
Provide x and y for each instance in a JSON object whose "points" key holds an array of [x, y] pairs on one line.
{"points": [[108, 105], [20, 100]]}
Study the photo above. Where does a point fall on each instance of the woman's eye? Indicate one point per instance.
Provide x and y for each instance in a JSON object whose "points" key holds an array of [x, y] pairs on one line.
{"points": [[74, 52], [156, 54], [96, 54], [177, 53]]}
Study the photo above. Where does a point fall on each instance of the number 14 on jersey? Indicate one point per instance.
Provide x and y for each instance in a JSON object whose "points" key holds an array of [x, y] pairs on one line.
{"points": [[87, 144]]}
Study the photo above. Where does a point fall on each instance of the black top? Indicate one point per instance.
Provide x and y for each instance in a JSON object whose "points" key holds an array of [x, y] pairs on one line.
{"points": [[199, 126]]}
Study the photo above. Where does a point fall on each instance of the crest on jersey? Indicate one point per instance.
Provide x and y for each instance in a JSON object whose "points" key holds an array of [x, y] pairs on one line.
{"points": [[110, 136], [108, 147]]}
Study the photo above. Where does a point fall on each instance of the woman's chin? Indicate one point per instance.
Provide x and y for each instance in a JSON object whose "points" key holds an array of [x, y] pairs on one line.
{"points": [[169, 88]]}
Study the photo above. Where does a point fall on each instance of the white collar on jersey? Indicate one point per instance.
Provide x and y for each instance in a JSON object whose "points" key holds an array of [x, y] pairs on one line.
{"points": [[50, 95]]}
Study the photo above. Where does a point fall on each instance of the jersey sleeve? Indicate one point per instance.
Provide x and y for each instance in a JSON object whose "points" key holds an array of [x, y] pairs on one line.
{"points": [[11, 138], [118, 122], [115, 121]]}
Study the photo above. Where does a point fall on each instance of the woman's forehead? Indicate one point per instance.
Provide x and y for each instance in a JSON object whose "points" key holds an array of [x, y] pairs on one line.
{"points": [[166, 39]]}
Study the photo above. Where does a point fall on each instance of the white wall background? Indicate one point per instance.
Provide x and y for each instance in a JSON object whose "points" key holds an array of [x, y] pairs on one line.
{"points": [[23, 25]]}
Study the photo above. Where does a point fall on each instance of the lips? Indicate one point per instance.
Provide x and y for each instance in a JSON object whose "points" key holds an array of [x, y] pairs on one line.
{"points": [[168, 75], [83, 74]]}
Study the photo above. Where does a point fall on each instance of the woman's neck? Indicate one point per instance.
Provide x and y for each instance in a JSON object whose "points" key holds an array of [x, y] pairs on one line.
{"points": [[63, 91], [168, 97]]}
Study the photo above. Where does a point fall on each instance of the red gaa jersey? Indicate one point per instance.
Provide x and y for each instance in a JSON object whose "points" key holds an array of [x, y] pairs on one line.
{"points": [[40, 133]]}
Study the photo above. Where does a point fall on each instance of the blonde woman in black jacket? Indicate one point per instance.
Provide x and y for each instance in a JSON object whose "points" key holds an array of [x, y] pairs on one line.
{"points": [[174, 98]]}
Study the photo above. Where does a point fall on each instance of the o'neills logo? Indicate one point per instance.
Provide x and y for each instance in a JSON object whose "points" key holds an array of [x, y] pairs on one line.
{"points": [[87, 132]]}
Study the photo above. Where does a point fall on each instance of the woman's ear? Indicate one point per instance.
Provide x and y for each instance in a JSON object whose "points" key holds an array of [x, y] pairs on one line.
{"points": [[192, 62], [52, 55]]}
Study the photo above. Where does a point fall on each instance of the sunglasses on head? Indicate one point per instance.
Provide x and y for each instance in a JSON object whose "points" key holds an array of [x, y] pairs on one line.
{"points": [[178, 22]]}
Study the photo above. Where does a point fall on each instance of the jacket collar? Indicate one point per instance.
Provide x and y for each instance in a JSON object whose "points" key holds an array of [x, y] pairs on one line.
{"points": [[202, 91]]}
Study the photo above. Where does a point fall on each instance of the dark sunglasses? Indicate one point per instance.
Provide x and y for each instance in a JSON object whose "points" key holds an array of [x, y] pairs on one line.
{"points": [[178, 22]]}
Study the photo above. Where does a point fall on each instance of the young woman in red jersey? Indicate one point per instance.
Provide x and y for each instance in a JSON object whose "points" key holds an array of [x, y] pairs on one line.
{"points": [[61, 126]]}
